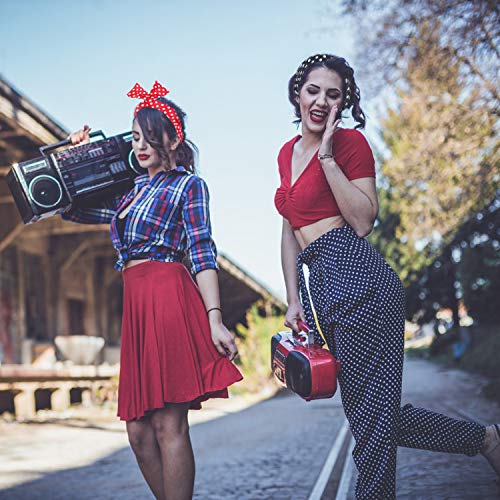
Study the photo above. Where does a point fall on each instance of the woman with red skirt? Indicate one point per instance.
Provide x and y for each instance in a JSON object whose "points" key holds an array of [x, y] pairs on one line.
{"points": [[175, 350]]}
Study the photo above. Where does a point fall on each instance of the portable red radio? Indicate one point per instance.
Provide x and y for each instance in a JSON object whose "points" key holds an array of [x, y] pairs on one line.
{"points": [[304, 367]]}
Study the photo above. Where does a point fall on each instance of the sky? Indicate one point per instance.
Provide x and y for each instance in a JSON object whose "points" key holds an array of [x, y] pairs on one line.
{"points": [[226, 63]]}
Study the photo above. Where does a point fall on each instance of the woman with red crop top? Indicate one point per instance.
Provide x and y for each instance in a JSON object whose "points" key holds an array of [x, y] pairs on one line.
{"points": [[328, 201], [175, 351]]}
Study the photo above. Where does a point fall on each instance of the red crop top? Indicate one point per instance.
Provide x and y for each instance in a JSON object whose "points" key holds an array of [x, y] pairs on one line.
{"points": [[310, 199]]}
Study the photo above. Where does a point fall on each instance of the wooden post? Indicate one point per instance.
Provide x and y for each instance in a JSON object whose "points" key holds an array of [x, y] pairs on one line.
{"points": [[50, 282], [59, 299], [21, 322], [11, 236], [75, 254], [90, 310]]}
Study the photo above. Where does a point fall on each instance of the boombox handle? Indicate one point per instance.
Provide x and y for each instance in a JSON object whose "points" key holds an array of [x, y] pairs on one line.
{"points": [[50, 147], [305, 328]]}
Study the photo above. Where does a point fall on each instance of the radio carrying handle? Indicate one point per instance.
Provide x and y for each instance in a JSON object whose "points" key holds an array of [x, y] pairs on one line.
{"points": [[315, 316], [49, 147], [305, 328]]}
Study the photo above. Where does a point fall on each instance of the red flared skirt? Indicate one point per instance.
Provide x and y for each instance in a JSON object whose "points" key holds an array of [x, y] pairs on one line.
{"points": [[167, 354]]}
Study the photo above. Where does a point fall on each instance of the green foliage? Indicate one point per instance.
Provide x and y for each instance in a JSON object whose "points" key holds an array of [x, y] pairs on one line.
{"points": [[254, 347], [479, 274], [405, 259], [442, 150], [437, 63], [417, 352], [483, 356], [389, 31], [442, 171], [467, 268]]}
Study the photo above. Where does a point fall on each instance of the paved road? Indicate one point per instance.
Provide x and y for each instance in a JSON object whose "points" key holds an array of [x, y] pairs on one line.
{"points": [[427, 475], [272, 450]]}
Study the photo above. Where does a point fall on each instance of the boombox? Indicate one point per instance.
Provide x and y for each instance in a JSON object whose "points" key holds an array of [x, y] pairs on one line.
{"points": [[82, 176], [303, 366]]}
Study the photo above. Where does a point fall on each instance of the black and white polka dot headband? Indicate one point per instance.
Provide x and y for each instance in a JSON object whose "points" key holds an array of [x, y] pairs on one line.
{"points": [[299, 75]]}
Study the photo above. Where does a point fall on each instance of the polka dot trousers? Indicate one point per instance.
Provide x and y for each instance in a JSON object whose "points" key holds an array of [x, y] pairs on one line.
{"points": [[359, 301]]}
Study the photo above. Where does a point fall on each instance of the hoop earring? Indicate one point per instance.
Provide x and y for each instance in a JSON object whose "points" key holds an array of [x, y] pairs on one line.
{"points": [[134, 164]]}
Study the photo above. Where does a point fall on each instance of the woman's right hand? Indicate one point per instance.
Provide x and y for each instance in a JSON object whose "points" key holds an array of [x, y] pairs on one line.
{"points": [[294, 313], [80, 136]]}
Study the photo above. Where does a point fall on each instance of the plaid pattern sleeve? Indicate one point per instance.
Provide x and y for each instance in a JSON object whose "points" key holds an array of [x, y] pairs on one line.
{"points": [[196, 217], [101, 214]]}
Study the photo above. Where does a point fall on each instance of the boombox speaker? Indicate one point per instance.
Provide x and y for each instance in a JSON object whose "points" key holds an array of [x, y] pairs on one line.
{"points": [[37, 189]]}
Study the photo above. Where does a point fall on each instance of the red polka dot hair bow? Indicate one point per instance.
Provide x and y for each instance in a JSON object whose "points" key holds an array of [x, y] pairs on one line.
{"points": [[150, 101]]}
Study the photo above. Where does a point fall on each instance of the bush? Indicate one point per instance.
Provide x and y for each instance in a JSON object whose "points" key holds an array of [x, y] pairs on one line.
{"points": [[483, 357], [254, 346]]}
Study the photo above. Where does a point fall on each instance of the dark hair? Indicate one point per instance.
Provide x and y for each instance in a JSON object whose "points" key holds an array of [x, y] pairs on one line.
{"points": [[154, 123], [350, 90]]}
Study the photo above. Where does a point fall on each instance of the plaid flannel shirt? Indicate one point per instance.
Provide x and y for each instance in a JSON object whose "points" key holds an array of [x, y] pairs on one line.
{"points": [[170, 218]]}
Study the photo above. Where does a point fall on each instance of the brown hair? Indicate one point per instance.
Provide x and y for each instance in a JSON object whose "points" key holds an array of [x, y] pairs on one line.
{"points": [[154, 123], [350, 90]]}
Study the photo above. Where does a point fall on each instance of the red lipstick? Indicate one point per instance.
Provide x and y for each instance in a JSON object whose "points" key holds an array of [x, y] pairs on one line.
{"points": [[318, 116]]}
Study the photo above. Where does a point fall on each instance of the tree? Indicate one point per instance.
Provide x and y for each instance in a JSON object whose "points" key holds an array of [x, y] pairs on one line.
{"points": [[437, 62], [479, 267], [443, 153], [441, 171], [467, 269], [469, 28]]}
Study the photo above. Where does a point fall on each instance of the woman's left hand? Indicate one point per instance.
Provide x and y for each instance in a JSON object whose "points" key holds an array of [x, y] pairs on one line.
{"points": [[330, 128], [223, 340]]}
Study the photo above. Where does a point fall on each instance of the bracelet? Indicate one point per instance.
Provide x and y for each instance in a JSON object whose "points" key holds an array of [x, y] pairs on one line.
{"points": [[324, 156], [214, 309]]}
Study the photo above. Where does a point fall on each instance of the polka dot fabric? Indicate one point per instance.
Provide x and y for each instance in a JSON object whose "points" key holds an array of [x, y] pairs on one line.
{"points": [[151, 101], [359, 301]]}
